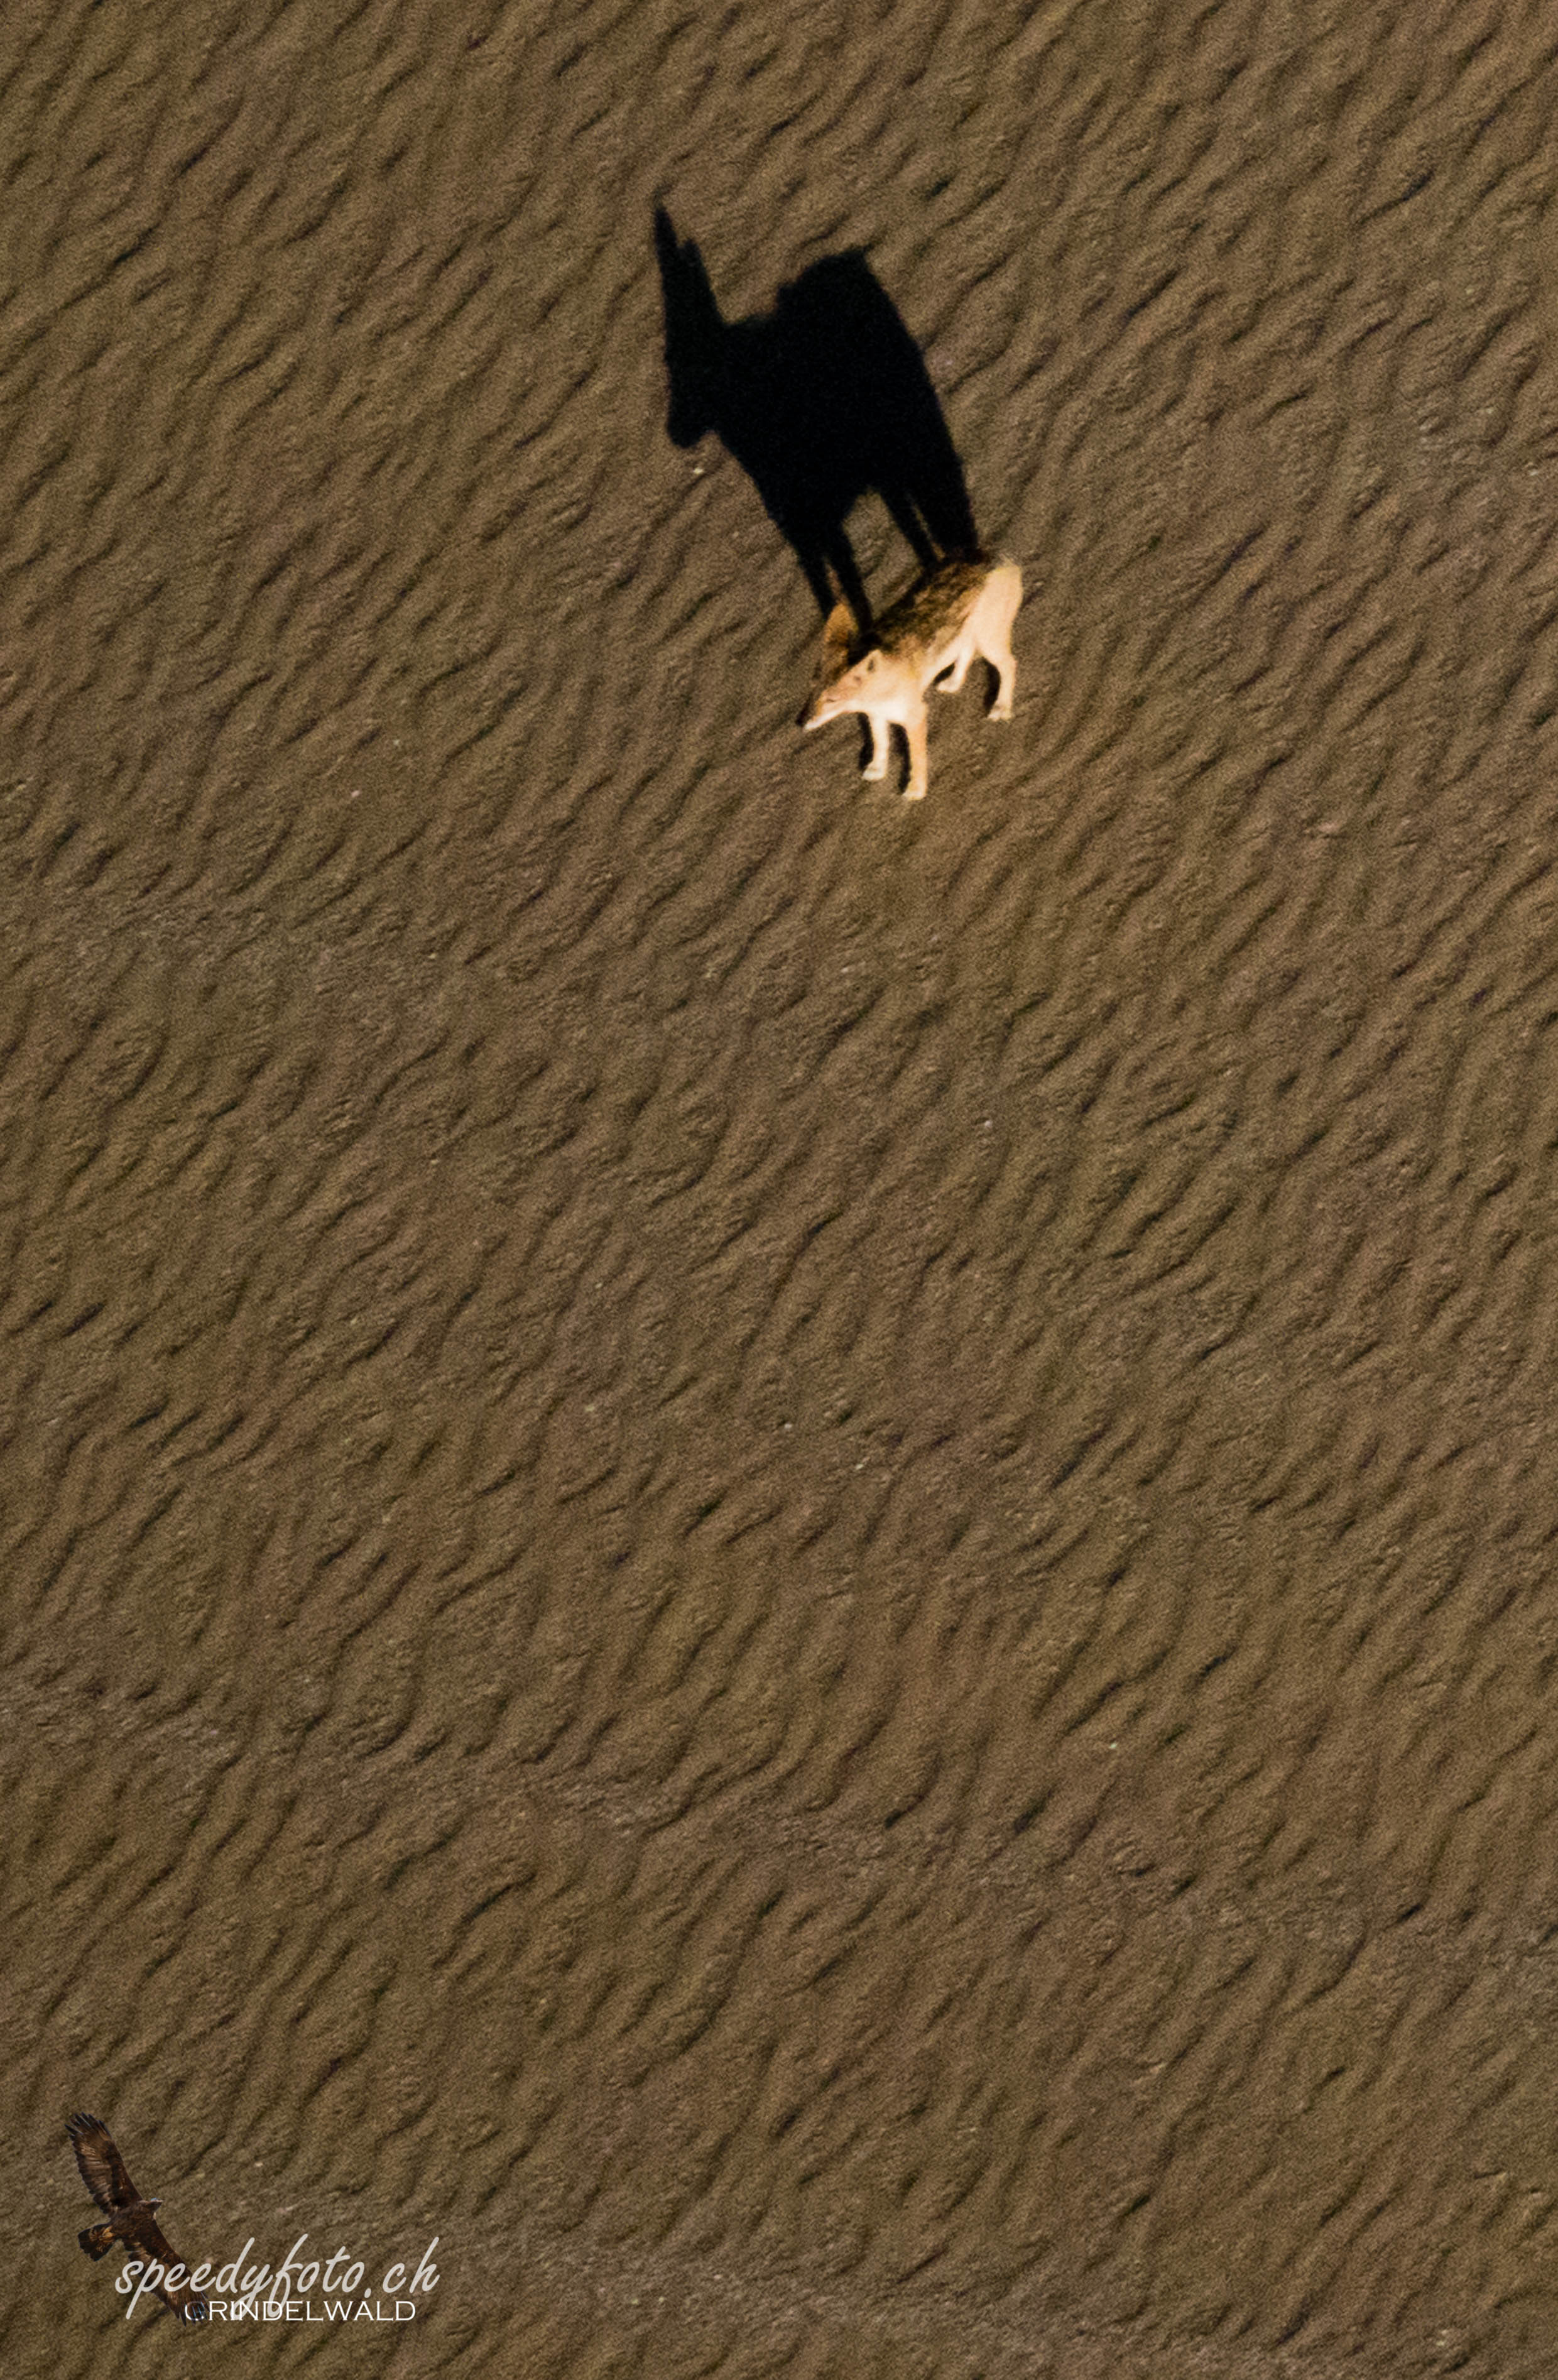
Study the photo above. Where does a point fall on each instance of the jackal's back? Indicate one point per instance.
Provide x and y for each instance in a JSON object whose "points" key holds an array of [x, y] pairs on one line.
{"points": [[932, 608], [931, 616]]}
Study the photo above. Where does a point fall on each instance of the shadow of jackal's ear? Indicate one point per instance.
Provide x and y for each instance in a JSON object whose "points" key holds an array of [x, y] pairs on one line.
{"points": [[694, 334]]}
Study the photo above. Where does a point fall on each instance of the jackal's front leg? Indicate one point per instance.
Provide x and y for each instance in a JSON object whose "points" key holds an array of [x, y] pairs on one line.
{"points": [[880, 737], [919, 765]]}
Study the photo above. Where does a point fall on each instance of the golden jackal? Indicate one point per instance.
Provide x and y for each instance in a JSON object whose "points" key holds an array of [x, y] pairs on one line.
{"points": [[958, 612]]}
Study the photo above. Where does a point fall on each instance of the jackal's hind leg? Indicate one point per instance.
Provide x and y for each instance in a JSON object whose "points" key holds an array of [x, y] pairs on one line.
{"points": [[1004, 666]]}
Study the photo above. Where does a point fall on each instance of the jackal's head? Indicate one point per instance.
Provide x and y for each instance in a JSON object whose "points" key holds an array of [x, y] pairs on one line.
{"points": [[854, 690], [837, 689]]}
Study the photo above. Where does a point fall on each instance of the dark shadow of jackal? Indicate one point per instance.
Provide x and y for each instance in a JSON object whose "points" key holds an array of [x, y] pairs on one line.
{"points": [[821, 401]]}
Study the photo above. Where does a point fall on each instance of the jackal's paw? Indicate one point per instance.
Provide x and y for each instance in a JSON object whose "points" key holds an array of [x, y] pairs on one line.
{"points": [[1000, 709], [873, 769]]}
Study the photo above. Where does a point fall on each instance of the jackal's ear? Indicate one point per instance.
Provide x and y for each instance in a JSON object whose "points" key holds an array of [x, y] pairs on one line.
{"points": [[838, 633]]}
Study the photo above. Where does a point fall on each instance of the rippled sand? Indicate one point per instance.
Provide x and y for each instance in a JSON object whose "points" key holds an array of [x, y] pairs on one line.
{"points": [[788, 1558]]}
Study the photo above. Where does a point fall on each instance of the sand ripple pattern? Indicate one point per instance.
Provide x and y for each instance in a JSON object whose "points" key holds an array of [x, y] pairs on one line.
{"points": [[791, 1559]]}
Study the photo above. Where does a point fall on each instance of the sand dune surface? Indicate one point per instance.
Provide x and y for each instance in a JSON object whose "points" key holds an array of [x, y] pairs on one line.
{"points": [[786, 1559]]}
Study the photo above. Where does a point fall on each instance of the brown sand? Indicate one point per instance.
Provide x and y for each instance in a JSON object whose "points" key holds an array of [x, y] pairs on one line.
{"points": [[789, 1559]]}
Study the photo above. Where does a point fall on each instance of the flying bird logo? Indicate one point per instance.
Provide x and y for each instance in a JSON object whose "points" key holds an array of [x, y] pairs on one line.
{"points": [[132, 2219]]}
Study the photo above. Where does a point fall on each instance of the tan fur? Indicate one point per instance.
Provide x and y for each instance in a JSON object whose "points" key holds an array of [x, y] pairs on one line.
{"points": [[961, 613]]}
